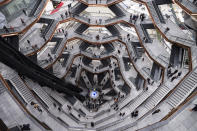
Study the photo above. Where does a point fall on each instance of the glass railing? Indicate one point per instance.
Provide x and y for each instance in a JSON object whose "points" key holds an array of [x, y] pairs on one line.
{"points": [[15, 8], [163, 59], [27, 50], [153, 12], [166, 46], [158, 12], [114, 19], [8, 29], [86, 19], [189, 5], [181, 25], [43, 63], [109, 37], [187, 32], [181, 40], [184, 41], [85, 13]]}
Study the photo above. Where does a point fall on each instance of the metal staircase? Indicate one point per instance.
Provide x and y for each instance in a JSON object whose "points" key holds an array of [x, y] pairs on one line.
{"points": [[21, 88], [183, 90]]}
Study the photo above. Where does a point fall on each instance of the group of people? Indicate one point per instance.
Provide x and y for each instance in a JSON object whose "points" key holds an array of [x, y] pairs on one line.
{"points": [[62, 30], [50, 59], [67, 14], [97, 37], [156, 111], [150, 82], [34, 47], [6, 29], [97, 1], [166, 30], [100, 21], [25, 127], [36, 106], [173, 73], [116, 99], [134, 18], [59, 108], [134, 114], [121, 114], [116, 107], [69, 107], [93, 105]]}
